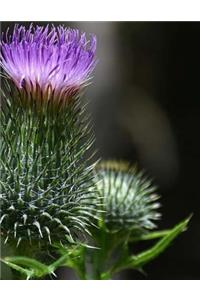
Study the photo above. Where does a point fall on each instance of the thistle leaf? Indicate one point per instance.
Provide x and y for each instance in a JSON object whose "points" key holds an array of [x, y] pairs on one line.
{"points": [[28, 266], [149, 236], [28, 273], [138, 261], [32, 268]]}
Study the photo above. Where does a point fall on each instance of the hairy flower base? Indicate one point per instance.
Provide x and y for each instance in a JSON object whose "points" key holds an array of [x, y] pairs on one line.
{"points": [[38, 100], [30, 94]]}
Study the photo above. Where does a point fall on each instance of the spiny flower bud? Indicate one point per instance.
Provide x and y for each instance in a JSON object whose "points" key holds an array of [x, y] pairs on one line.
{"points": [[128, 198]]}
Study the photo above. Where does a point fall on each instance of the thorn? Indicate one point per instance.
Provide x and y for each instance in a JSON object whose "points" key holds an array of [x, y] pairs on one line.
{"points": [[32, 207], [48, 233], [6, 239], [28, 277], [37, 224], [57, 221], [61, 244], [65, 228], [11, 208], [29, 235], [69, 238], [54, 274], [24, 218], [2, 218], [15, 229], [47, 215], [19, 241]]}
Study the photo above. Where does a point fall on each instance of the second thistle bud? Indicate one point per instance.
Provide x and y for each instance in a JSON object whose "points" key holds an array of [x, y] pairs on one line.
{"points": [[129, 200]]}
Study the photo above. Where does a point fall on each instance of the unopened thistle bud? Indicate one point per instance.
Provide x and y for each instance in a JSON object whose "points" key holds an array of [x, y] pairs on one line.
{"points": [[129, 199]]}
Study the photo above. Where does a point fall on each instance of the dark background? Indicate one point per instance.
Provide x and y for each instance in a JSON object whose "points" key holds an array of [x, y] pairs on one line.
{"points": [[145, 106]]}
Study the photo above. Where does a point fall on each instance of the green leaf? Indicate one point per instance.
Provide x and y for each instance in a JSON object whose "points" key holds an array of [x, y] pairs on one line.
{"points": [[150, 236], [62, 261], [26, 272], [32, 268], [137, 261], [29, 267]]}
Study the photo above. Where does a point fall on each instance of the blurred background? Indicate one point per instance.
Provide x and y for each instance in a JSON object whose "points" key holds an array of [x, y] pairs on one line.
{"points": [[144, 102]]}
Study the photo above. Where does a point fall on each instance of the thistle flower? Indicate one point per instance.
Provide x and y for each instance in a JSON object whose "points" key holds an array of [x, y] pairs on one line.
{"points": [[128, 198], [45, 178], [48, 62]]}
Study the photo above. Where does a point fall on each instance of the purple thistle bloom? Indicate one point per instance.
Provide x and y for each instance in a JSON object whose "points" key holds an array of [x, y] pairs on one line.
{"points": [[58, 61]]}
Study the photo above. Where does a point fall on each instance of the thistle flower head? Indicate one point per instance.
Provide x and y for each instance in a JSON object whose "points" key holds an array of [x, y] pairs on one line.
{"points": [[49, 61], [45, 177], [129, 199]]}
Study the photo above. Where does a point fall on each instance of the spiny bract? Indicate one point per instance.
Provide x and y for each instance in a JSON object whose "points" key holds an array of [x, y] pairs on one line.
{"points": [[128, 198], [44, 177]]}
